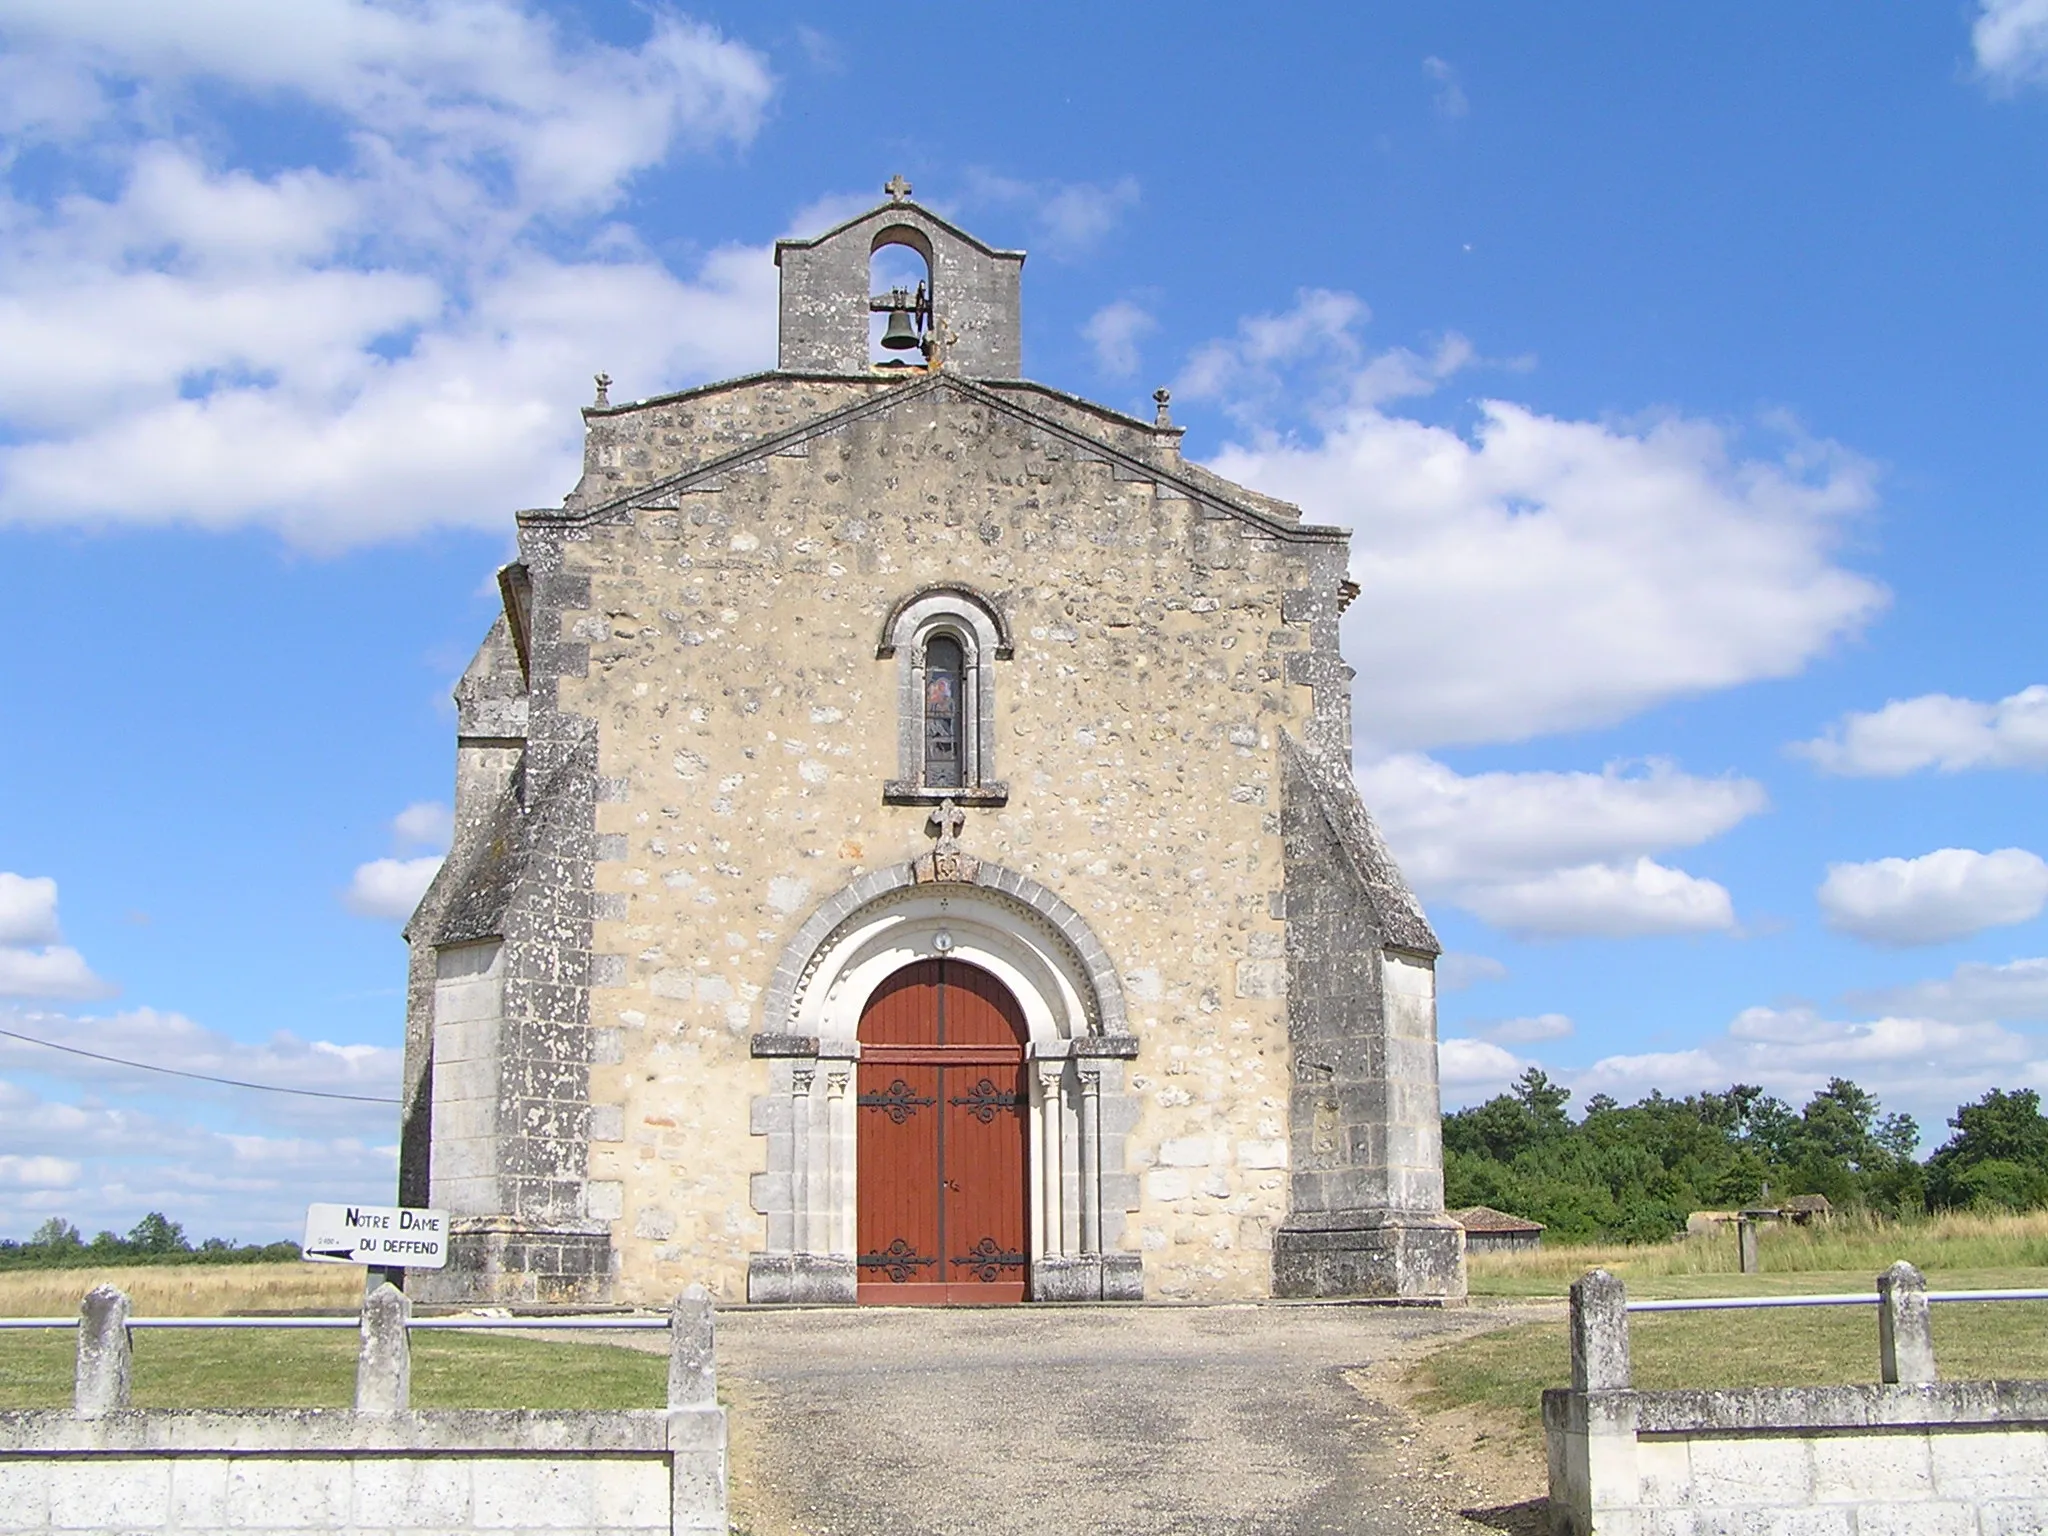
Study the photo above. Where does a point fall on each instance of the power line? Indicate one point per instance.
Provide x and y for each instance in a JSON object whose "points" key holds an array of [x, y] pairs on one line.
{"points": [[226, 1082]]}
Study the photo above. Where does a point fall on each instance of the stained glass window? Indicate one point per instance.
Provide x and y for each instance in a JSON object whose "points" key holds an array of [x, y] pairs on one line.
{"points": [[944, 686]]}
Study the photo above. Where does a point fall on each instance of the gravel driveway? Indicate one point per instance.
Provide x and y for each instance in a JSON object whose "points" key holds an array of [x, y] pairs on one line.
{"points": [[1097, 1420]]}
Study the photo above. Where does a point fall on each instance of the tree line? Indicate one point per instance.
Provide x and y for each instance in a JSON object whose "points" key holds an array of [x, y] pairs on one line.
{"points": [[1633, 1172], [155, 1239]]}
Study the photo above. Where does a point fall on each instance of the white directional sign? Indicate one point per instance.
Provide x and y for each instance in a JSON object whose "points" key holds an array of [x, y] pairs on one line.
{"points": [[388, 1236]]}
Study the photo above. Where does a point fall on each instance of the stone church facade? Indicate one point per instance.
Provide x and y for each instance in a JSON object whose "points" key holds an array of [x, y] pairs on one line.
{"points": [[906, 849]]}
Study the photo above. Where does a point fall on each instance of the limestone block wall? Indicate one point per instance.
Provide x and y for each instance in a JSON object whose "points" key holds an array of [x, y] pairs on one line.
{"points": [[469, 1007], [1908, 1454], [373, 1470], [1961, 1459], [337, 1473], [729, 630]]}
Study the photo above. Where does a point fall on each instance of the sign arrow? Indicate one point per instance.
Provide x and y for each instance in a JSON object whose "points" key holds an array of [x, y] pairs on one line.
{"points": [[344, 1254]]}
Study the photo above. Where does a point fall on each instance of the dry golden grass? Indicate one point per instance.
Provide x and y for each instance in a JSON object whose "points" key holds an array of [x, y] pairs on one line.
{"points": [[185, 1290], [1849, 1244]]}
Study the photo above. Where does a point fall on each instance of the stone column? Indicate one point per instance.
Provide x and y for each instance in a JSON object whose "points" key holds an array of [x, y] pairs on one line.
{"points": [[1091, 1159], [838, 1224], [101, 1384], [1052, 1174], [1599, 1333], [384, 1359], [1905, 1333], [800, 1159]]}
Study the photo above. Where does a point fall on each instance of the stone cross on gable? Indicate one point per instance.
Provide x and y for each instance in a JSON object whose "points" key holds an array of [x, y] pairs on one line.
{"points": [[897, 188], [949, 819]]}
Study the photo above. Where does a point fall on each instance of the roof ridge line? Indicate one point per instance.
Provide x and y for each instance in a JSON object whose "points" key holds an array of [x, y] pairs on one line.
{"points": [[775, 442]]}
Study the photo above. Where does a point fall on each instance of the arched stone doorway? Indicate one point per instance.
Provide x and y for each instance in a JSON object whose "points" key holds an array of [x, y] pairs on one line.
{"points": [[814, 1038], [943, 1139]]}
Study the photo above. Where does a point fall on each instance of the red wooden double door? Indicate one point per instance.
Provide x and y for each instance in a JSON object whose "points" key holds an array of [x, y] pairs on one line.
{"points": [[942, 1139]]}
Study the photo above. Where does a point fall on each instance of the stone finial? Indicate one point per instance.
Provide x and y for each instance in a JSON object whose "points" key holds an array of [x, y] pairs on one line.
{"points": [[692, 1351], [101, 1385], [1599, 1333], [384, 1361], [1905, 1333], [1163, 399], [604, 389], [897, 188]]}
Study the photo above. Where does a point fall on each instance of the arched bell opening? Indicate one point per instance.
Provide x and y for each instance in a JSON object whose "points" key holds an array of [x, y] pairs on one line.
{"points": [[899, 298]]}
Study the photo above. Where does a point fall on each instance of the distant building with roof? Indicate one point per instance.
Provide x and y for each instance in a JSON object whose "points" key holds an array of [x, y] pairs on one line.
{"points": [[1491, 1231]]}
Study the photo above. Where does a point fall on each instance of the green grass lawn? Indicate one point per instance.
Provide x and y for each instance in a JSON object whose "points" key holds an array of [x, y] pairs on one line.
{"points": [[260, 1368], [1789, 1347]]}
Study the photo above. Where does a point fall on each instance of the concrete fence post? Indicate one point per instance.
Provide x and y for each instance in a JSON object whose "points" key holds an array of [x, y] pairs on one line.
{"points": [[101, 1385], [696, 1422], [1599, 1333], [384, 1362], [692, 1353], [1905, 1333], [1745, 1245]]}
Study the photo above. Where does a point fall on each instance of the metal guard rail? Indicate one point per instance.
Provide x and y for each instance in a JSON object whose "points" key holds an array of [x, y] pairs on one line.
{"points": [[1850, 1299], [550, 1323]]}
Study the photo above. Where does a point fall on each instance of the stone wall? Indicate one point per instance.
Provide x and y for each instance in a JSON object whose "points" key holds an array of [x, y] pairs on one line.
{"points": [[337, 1473], [1907, 1455], [734, 634], [376, 1470]]}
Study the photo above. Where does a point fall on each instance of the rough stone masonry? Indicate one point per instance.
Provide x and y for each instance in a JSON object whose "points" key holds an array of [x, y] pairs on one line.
{"points": [[705, 806]]}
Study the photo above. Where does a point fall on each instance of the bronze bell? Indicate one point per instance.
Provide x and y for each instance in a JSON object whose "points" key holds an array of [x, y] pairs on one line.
{"points": [[899, 335]]}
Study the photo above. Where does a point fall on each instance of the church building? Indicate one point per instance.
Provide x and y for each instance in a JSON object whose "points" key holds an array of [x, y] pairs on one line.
{"points": [[906, 851]]}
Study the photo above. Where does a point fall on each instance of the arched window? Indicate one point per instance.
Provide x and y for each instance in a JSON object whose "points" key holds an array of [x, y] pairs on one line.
{"points": [[945, 641], [945, 699]]}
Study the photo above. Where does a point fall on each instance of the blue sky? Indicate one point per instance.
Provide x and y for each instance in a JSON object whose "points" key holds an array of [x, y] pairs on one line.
{"points": [[1679, 369]]}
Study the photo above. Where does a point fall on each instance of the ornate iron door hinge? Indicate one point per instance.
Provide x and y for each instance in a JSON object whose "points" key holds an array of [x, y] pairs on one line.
{"points": [[900, 1261], [985, 1099], [987, 1260], [899, 1103]]}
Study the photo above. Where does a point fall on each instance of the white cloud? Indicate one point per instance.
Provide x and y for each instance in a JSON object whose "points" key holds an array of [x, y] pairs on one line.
{"points": [[390, 888], [1538, 574], [1114, 332], [1558, 854], [28, 909], [1606, 900], [424, 824], [1528, 1031], [1923, 1066], [1937, 730], [1455, 971], [33, 963], [403, 325], [39, 1172], [156, 1037], [1475, 1069], [55, 970], [1318, 329], [118, 1163], [2011, 42], [1069, 218], [1947, 894], [1976, 992], [1449, 96]]}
